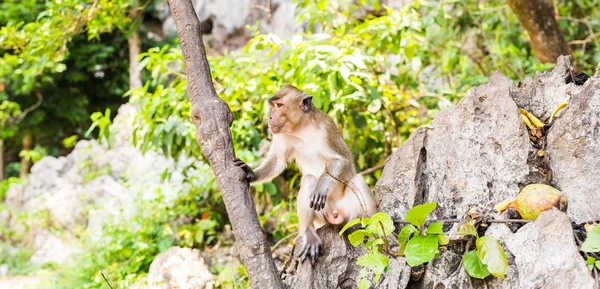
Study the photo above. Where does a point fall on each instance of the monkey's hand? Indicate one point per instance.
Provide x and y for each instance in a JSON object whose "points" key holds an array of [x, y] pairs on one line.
{"points": [[311, 246], [250, 175], [317, 199]]}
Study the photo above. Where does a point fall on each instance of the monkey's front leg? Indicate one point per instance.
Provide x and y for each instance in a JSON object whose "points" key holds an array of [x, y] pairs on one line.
{"points": [[335, 171], [311, 245]]}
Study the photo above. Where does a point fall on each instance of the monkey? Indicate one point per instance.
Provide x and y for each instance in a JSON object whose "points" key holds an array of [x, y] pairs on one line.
{"points": [[331, 192]]}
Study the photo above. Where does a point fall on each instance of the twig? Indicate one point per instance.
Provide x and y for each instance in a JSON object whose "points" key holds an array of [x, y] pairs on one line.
{"points": [[579, 244], [485, 220], [282, 240], [361, 202], [371, 170], [106, 279], [23, 114]]}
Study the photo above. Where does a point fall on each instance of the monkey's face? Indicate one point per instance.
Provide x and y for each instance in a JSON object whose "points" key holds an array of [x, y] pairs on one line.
{"points": [[278, 116], [288, 108]]}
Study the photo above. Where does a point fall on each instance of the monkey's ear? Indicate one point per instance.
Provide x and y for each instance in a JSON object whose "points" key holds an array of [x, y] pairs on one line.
{"points": [[307, 102]]}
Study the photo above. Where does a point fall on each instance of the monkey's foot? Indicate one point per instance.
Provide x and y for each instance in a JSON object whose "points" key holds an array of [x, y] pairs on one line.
{"points": [[311, 246]]}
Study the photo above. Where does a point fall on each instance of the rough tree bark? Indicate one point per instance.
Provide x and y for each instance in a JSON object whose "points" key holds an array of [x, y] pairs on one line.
{"points": [[537, 17], [213, 118]]}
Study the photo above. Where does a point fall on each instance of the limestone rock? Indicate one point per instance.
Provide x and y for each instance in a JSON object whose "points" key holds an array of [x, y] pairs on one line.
{"points": [[179, 268], [546, 254], [543, 93], [574, 149], [49, 248], [474, 156]]}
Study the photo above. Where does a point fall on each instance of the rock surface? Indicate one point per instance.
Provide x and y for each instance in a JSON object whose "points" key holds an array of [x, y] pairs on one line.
{"points": [[179, 268], [474, 156], [574, 145], [546, 255], [477, 154]]}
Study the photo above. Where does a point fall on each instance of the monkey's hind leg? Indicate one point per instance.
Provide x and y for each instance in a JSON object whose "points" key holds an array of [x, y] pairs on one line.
{"points": [[310, 243]]}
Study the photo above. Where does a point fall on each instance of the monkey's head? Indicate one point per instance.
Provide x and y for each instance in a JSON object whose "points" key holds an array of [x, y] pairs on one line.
{"points": [[289, 106]]}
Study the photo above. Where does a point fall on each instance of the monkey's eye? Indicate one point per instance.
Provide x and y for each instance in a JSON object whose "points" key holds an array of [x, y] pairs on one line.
{"points": [[279, 104]]}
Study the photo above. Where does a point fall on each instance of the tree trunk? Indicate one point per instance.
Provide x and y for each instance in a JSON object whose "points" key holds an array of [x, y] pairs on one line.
{"points": [[1, 159], [135, 78], [25, 162], [213, 118], [537, 17]]}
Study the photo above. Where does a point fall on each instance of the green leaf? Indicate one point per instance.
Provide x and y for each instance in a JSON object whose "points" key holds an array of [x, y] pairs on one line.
{"points": [[467, 230], [443, 239], [597, 264], [418, 214], [474, 266], [405, 233], [380, 219], [421, 249], [374, 261], [492, 254], [364, 283], [592, 242], [435, 228], [590, 263], [349, 225], [357, 237]]}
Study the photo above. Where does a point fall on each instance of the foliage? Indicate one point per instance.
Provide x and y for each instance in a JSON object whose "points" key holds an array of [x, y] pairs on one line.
{"points": [[58, 63], [102, 122], [40, 44], [231, 278], [127, 245], [17, 259], [488, 258], [422, 241], [422, 247], [373, 235], [592, 242], [34, 155], [5, 185], [590, 245]]}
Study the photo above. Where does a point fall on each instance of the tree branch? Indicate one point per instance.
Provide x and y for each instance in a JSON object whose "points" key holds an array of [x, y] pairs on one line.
{"points": [[212, 118]]}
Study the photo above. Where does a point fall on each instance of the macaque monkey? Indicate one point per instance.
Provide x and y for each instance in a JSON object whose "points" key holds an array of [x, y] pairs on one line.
{"points": [[331, 191]]}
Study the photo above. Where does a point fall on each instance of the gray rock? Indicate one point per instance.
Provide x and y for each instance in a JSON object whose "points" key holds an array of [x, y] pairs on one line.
{"points": [[574, 149], [543, 93], [179, 268], [447, 272], [546, 255], [49, 248], [474, 156]]}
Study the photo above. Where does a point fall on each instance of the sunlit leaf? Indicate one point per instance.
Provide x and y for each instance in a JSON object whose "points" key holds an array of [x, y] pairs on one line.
{"points": [[421, 249], [474, 266], [418, 214], [492, 254], [592, 242]]}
